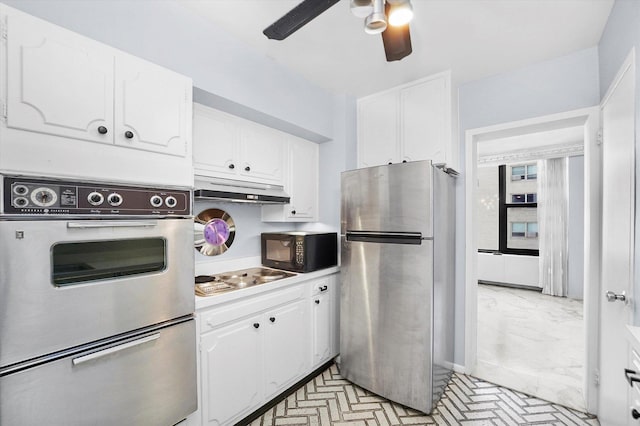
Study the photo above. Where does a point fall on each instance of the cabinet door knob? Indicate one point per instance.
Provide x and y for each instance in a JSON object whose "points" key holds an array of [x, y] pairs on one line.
{"points": [[272, 319], [128, 134], [293, 212], [389, 162], [635, 414], [324, 288], [404, 161], [102, 130], [247, 169], [232, 166], [317, 302], [256, 325]]}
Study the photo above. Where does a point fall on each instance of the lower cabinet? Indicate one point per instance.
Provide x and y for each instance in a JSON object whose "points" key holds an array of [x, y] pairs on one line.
{"points": [[231, 356], [253, 349]]}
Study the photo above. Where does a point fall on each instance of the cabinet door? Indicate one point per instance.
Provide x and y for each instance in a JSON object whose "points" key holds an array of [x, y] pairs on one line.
{"points": [[378, 130], [231, 371], [322, 326], [286, 351], [215, 143], [261, 153], [58, 82], [303, 180], [424, 109], [152, 107]]}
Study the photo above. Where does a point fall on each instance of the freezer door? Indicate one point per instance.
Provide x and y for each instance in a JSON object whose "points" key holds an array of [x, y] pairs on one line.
{"points": [[386, 319], [392, 198], [146, 379]]}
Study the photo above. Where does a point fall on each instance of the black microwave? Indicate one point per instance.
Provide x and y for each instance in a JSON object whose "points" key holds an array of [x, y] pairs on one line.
{"points": [[299, 251]]}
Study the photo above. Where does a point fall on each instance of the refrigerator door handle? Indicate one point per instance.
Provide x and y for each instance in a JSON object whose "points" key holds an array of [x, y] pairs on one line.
{"points": [[386, 237]]}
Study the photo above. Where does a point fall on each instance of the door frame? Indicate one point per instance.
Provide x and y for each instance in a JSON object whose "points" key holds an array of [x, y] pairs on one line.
{"points": [[589, 118]]}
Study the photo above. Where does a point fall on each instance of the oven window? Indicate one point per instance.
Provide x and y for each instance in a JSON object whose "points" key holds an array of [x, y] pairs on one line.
{"points": [[76, 263], [279, 250]]}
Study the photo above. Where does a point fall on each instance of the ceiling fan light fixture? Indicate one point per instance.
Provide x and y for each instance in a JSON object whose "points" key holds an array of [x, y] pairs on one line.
{"points": [[361, 8], [400, 12], [376, 22]]}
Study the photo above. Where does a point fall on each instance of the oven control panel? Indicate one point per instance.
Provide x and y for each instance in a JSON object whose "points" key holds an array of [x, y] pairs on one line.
{"points": [[34, 196]]}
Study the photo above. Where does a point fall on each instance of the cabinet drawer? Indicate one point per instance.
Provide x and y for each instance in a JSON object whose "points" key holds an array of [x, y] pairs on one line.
{"points": [[214, 317]]}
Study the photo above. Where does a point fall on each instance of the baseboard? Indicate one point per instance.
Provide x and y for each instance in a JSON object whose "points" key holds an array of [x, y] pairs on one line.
{"points": [[459, 368]]}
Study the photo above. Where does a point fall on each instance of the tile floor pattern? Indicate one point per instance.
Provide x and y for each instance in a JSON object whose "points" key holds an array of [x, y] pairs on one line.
{"points": [[328, 399]]}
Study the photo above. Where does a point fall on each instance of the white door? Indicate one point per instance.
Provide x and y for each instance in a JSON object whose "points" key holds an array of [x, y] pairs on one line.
{"points": [[152, 107], [59, 83], [618, 156], [262, 154], [215, 143], [378, 133], [424, 131], [286, 346], [232, 380], [303, 179]]}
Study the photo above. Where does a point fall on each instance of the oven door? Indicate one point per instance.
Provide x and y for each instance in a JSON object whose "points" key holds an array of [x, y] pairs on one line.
{"points": [[145, 378], [67, 283]]}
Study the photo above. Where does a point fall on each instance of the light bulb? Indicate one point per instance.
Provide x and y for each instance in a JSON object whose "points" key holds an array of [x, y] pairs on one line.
{"points": [[400, 13]]}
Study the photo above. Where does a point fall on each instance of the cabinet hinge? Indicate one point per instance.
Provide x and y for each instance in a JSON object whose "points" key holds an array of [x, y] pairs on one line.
{"points": [[596, 378], [3, 31], [4, 111], [599, 138]]}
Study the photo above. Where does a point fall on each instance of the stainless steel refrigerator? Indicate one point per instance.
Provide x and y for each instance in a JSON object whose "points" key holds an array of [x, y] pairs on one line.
{"points": [[397, 273]]}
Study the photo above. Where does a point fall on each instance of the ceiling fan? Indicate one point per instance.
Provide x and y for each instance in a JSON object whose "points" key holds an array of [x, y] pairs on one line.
{"points": [[387, 17]]}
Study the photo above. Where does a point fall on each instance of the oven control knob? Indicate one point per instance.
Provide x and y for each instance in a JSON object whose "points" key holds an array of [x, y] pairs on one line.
{"points": [[20, 202], [156, 201], [171, 201], [20, 189], [114, 199], [95, 198]]}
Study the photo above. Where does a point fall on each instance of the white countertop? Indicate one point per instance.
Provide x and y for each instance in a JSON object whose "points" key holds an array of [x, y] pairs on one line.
{"points": [[234, 295]]}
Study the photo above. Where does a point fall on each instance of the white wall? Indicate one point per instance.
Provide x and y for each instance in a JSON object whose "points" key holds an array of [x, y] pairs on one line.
{"points": [[562, 84], [621, 34], [576, 228]]}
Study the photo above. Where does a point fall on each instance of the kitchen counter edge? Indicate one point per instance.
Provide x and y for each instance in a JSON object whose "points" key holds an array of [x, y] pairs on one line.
{"points": [[218, 299]]}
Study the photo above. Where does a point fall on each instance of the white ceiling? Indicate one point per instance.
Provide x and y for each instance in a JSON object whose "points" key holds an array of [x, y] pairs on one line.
{"points": [[473, 38]]}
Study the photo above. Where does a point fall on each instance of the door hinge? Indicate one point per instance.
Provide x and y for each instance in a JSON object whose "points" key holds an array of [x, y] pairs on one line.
{"points": [[599, 138]]}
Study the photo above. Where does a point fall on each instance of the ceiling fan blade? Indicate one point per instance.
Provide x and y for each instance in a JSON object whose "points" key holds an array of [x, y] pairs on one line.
{"points": [[396, 40], [296, 18]]}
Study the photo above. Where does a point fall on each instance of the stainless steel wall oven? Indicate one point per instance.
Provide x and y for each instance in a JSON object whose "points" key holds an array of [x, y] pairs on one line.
{"points": [[96, 304]]}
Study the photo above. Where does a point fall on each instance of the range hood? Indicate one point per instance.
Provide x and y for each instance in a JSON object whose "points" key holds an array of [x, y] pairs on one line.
{"points": [[238, 191]]}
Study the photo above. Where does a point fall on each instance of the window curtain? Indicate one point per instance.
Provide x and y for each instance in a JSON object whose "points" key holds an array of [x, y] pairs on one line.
{"points": [[553, 202]]}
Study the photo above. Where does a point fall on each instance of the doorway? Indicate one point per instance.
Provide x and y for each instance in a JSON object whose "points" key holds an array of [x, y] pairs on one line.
{"points": [[587, 120], [530, 212]]}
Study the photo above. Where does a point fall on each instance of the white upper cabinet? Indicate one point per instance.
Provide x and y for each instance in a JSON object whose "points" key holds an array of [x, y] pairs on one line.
{"points": [[63, 84], [301, 184], [261, 153], [378, 130], [58, 82], [152, 107], [226, 146], [408, 123]]}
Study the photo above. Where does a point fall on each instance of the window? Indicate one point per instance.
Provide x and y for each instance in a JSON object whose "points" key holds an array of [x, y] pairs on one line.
{"points": [[524, 198], [525, 172]]}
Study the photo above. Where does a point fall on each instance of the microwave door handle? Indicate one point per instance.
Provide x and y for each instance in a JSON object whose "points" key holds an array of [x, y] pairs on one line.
{"points": [[90, 224]]}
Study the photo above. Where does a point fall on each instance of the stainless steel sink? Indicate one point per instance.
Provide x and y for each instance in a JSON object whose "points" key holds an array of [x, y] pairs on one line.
{"points": [[208, 285]]}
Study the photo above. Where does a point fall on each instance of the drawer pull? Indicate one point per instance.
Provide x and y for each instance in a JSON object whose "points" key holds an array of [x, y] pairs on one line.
{"points": [[635, 414], [317, 302], [256, 325], [324, 288], [272, 319], [108, 351]]}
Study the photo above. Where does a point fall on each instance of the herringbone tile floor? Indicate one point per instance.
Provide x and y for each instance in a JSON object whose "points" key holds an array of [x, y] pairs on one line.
{"points": [[328, 399]]}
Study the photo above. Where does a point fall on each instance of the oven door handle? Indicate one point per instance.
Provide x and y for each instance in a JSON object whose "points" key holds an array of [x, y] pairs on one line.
{"points": [[91, 224], [113, 349]]}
